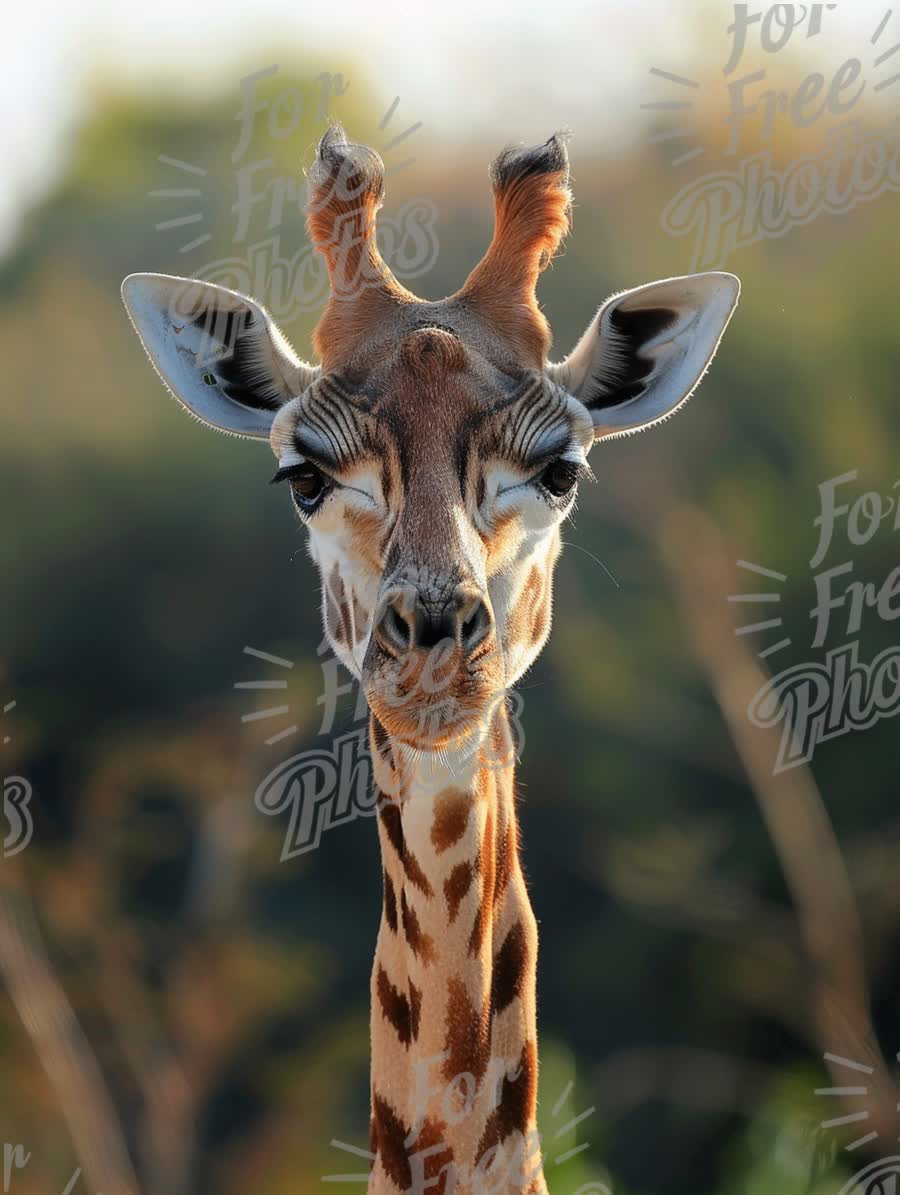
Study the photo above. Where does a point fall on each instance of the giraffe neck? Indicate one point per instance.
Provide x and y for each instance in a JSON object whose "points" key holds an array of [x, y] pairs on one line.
{"points": [[453, 1019], [454, 1044]]}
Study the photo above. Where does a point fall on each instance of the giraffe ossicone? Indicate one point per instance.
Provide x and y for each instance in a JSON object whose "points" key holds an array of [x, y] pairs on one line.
{"points": [[432, 455]]}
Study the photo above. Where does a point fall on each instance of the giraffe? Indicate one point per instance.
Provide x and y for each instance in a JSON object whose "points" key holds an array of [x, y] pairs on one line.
{"points": [[432, 455]]}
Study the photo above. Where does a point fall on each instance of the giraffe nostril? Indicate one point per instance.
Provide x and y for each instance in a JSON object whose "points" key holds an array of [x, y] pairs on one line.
{"points": [[393, 630], [408, 621], [397, 626], [476, 626]]}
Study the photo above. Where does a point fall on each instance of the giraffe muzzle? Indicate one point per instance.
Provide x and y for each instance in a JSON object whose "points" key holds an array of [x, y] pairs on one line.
{"points": [[408, 621]]}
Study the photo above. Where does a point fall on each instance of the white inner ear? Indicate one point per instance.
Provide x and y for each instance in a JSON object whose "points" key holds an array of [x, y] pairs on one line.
{"points": [[217, 351], [679, 354]]}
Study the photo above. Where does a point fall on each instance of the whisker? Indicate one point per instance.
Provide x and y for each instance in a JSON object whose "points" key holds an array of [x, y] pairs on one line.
{"points": [[568, 544]]}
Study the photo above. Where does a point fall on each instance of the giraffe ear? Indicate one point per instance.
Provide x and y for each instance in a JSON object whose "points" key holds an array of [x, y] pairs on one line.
{"points": [[218, 352], [646, 350]]}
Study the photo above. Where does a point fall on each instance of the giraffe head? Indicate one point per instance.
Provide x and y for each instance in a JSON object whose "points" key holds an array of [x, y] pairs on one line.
{"points": [[434, 452]]}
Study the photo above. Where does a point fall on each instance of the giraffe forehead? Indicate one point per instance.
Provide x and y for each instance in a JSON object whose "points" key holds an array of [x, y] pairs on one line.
{"points": [[438, 423], [426, 422], [424, 407]]}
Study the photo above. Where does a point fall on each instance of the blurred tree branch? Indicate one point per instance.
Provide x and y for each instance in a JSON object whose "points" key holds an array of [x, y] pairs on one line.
{"points": [[702, 576], [58, 1039]]}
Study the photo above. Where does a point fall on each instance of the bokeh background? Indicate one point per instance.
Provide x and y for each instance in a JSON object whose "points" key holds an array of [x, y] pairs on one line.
{"points": [[180, 1009]]}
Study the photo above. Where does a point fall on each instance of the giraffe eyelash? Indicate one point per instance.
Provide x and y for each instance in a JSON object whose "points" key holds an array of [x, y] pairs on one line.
{"points": [[583, 470], [283, 473], [286, 472]]}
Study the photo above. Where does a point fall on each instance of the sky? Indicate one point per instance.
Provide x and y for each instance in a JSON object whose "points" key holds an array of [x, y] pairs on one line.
{"points": [[531, 67]]}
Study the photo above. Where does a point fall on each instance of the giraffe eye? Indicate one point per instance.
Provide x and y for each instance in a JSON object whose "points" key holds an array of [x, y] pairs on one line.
{"points": [[309, 485], [559, 478]]}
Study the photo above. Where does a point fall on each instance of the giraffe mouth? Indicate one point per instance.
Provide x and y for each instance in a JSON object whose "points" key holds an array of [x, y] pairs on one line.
{"points": [[434, 697]]}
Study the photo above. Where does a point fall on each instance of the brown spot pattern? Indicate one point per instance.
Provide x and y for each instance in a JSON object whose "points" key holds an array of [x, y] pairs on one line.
{"points": [[456, 886], [516, 1104], [476, 938], [426, 1171], [416, 875], [419, 943], [390, 819], [467, 1035], [483, 915], [396, 1008], [389, 1137], [390, 902], [505, 856], [509, 969], [415, 1010], [451, 816]]}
